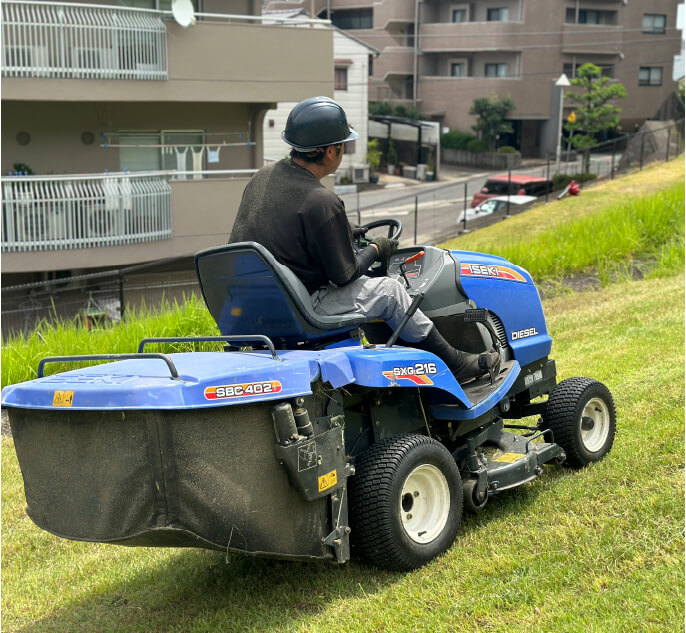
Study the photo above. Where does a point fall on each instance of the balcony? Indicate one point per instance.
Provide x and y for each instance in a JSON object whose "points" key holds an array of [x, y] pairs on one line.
{"points": [[395, 61], [61, 213], [56, 222], [477, 36], [142, 55], [82, 42], [592, 39]]}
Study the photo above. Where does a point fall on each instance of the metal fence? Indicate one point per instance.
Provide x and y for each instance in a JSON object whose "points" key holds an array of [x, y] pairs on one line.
{"points": [[66, 212], [438, 213], [66, 40], [98, 299]]}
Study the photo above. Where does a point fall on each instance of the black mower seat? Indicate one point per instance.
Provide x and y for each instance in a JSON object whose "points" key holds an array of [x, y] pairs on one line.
{"points": [[248, 292]]}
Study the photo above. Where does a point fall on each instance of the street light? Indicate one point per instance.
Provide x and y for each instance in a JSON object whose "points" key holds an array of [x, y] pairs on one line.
{"points": [[563, 83]]}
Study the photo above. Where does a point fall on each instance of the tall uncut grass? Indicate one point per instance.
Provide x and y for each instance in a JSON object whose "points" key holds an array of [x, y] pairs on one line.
{"points": [[20, 357], [648, 226]]}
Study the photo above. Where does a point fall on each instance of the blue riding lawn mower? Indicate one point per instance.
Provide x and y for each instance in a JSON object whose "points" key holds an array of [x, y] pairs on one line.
{"points": [[306, 436]]}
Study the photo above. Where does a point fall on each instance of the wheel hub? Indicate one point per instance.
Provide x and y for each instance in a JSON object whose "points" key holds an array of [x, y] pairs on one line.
{"points": [[595, 425], [424, 503]]}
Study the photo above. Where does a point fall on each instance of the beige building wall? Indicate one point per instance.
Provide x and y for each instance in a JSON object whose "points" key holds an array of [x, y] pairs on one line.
{"points": [[223, 77]]}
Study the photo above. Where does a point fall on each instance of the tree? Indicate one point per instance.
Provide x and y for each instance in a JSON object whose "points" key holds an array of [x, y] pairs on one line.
{"points": [[373, 156], [594, 112], [490, 122]]}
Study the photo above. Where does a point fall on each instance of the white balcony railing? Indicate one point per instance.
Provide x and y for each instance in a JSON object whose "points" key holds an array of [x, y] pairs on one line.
{"points": [[42, 213], [67, 40]]}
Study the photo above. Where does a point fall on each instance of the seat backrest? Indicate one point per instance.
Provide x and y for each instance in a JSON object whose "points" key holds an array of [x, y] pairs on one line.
{"points": [[248, 292]]}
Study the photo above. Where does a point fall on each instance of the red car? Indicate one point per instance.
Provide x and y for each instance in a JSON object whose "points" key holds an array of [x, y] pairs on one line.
{"points": [[517, 186]]}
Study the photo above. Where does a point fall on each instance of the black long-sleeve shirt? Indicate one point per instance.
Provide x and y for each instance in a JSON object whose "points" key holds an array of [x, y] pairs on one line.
{"points": [[303, 224]]}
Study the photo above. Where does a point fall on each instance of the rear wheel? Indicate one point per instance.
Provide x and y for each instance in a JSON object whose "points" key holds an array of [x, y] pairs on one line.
{"points": [[581, 415], [405, 502]]}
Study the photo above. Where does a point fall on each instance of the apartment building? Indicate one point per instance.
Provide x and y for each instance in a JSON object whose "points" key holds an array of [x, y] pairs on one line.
{"points": [[128, 138], [440, 55]]}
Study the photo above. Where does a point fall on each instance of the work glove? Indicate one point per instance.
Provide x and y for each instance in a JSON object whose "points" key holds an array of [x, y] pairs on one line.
{"points": [[386, 247], [357, 231]]}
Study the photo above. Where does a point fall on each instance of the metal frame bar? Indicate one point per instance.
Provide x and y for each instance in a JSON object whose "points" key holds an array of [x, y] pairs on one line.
{"points": [[68, 359]]}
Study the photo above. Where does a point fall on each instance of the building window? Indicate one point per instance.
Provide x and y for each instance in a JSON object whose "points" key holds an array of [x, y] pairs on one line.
{"points": [[351, 19], [459, 15], [496, 70], [498, 15], [457, 69], [650, 76], [370, 66], [349, 147], [409, 36], [654, 23], [605, 70], [340, 79], [590, 16]]}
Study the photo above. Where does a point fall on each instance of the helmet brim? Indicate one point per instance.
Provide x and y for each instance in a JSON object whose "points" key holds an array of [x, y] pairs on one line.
{"points": [[353, 136]]}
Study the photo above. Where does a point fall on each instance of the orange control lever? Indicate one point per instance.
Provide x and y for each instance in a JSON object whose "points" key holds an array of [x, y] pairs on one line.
{"points": [[414, 257]]}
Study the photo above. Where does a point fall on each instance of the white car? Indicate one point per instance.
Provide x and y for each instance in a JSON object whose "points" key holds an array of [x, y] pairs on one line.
{"points": [[499, 203]]}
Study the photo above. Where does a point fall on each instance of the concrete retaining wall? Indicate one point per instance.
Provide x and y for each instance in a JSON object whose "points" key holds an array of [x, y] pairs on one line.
{"points": [[488, 160]]}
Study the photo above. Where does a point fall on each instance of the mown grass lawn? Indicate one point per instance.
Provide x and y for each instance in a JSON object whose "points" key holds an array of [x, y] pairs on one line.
{"points": [[599, 550]]}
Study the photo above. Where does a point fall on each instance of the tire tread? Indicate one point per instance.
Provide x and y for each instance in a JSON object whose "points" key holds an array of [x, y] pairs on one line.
{"points": [[371, 499], [561, 412]]}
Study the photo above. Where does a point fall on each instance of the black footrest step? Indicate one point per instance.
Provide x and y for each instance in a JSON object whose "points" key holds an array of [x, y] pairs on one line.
{"points": [[476, 315]]}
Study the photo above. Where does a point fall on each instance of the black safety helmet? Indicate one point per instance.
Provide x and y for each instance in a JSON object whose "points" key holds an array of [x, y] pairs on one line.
{"points": [[317, 122]]}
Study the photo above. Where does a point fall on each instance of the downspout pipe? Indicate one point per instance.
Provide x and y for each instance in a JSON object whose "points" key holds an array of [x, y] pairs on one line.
{"points": [[415, 77]]}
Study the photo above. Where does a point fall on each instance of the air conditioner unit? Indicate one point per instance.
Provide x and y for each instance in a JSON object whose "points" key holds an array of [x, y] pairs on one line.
{"points": [[360, 173], [92, 62], [25, 61], [33, 224], [101, 222]]}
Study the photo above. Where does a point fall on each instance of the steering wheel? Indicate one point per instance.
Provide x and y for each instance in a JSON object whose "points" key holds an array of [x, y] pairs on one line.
{"points": [[395, 228]]}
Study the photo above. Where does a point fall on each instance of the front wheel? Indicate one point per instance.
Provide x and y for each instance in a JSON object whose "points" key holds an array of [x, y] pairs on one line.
{"points": [[405, 502], [581, 415]]}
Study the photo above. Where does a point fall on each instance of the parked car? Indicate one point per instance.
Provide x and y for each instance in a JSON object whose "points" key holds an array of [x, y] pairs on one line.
{"points": [[498, 203], [516, 185]]}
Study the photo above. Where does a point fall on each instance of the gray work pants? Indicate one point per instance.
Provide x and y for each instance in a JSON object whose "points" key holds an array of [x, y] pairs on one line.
{"points": [[377, 298]]}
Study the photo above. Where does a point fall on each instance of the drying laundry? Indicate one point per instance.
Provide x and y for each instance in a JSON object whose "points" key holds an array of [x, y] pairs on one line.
{"points": [[197, 162], [213, 154]]}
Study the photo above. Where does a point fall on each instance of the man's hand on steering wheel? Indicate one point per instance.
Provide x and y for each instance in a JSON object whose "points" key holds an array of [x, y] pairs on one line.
{"points": [[385, 247], [358, 231]]}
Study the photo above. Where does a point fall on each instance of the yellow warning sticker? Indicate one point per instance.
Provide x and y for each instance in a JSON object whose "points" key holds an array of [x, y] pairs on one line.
{"points": [[63, 399], [328, 481], [509, 458]]}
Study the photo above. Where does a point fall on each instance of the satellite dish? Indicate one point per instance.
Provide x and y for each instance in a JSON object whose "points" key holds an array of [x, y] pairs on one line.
{"points": [[183, 12]]}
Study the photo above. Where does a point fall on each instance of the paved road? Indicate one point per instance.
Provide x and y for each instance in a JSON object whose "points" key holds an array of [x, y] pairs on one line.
{"points": [[439, 204]]}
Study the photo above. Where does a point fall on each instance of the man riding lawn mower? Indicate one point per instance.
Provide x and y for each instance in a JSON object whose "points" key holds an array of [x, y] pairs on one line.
{"points": [[312, 435]]}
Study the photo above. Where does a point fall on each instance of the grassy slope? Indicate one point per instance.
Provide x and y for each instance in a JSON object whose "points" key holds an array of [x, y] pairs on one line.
{"points": [[538, 220], [634, 216], [599, 550]]}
